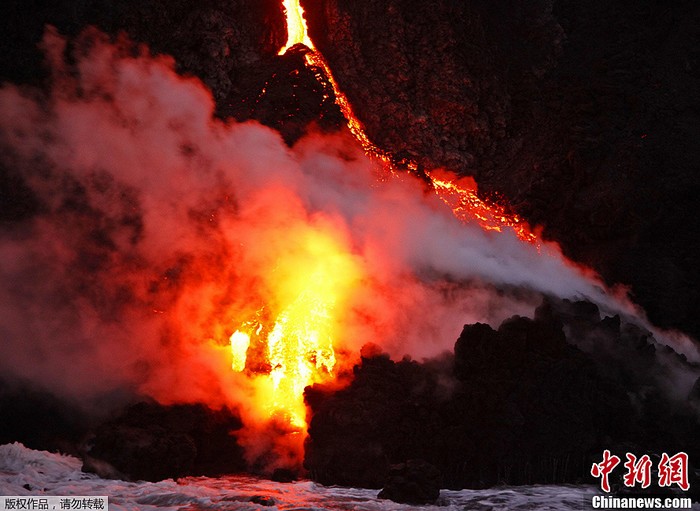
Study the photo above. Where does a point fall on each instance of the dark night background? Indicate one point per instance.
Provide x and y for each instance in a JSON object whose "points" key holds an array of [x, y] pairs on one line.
{"points": [[584, 117]]}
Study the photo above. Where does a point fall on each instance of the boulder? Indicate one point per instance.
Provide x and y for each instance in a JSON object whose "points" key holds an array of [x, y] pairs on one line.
{"points": [[283, 475], [152, 442], [413, 482]]}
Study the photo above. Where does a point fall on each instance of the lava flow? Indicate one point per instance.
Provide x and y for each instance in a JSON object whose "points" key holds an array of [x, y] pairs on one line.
{"points": [[296, 26], [298, 348], [459, 194]]}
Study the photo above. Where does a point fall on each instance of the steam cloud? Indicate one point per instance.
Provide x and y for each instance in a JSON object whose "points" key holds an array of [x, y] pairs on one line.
{"points": [[159, 228]]}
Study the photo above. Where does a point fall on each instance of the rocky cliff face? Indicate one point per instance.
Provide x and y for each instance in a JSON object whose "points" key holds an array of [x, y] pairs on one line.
{"points": [[215, 40], [582, 116]]}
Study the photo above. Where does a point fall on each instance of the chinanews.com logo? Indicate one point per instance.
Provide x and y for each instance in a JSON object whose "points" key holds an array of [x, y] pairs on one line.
{"points": [[671, 474]]}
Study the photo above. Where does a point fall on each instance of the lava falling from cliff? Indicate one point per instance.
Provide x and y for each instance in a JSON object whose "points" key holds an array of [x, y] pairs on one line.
{"points": [[297, 32], [188, 259], [300, 347], [297, 350], [297, 345]]}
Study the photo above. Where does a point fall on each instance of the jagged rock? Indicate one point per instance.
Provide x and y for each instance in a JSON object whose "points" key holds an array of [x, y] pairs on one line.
{"points": [[154, 442], [263, 500], [150, 454], [26, 412], [283, 475], [413, 482], [282, 93], [513, 405]]}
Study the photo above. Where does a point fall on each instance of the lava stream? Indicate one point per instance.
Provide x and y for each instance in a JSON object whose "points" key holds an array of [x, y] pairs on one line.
{"points": [[459, 194], [299, 346], [308, 287], [296, 26]]}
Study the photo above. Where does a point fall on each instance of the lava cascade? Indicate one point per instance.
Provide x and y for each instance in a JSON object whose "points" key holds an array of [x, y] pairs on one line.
{"points": [[299, 347], [459, 194], [297, 32]]}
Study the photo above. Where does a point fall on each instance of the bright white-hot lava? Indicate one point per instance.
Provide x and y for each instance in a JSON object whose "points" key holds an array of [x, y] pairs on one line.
{"points": [[297, 32], [296, 357], [300, 344]]}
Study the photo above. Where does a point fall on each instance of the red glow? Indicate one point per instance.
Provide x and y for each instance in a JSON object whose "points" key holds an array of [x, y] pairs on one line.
{"points": [[299, 344]]}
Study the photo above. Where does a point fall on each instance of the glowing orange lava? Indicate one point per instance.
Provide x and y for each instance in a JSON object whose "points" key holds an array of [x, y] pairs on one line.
{"points": [[459, 194], [314, 59], [309, 284], [298, 346], [296, 26]]}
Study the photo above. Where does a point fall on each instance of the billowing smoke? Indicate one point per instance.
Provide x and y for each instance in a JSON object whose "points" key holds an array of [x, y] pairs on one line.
{"points": [[159, 229]]}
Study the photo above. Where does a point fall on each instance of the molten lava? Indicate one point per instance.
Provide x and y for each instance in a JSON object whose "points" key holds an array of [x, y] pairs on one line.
{"points": [[297, 349], [310, 284], [240, 341], [459, 194], [296, 26], [314, 60]]}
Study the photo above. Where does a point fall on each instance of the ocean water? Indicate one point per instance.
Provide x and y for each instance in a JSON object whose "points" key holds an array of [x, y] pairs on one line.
{"points": [[28, 472]]}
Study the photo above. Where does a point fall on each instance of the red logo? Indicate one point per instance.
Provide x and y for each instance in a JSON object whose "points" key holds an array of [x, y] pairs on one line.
{"points": [[672, 470], [637, 471], [604, 468]]}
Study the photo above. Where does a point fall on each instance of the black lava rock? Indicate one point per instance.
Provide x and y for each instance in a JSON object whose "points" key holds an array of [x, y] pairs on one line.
{"points": [[27, 411], [413, 482], [153, 442], [283, 475], [521, 404]]}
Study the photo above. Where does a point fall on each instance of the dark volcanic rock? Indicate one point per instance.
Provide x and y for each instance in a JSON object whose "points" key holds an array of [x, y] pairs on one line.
{"points": [[26, 412], [530, 397], [154, 442], [282, 93], [212, 39], [517, 405], [355, 433], [413, 482], [283, 475]]}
